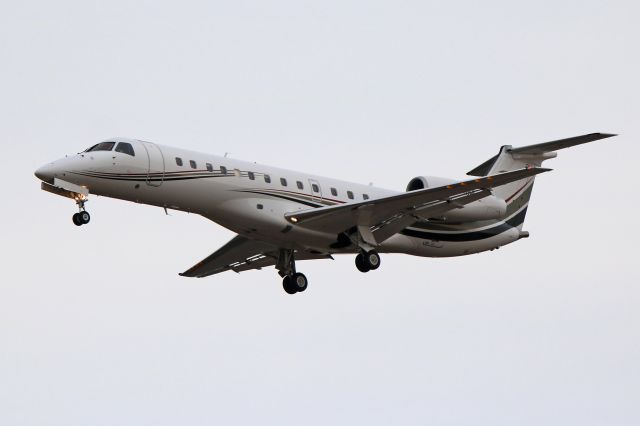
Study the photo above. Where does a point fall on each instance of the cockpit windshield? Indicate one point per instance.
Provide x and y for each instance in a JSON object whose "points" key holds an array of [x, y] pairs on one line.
{"points": [[125, 148], [102, 146]]}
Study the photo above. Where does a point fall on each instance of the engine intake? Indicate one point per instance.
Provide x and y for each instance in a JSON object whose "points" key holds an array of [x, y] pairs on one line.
{"points": [[423, 182]]}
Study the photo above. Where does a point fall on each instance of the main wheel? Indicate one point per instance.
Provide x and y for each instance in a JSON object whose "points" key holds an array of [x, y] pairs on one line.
{"points": [[85, 217], [288, 285], [372, 259], [299, 281], [360, 264], [76, 219]]}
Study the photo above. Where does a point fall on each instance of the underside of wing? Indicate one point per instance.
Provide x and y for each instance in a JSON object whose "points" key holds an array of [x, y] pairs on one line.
{"points": [[239, 252], [242, 254], [392, 213]]}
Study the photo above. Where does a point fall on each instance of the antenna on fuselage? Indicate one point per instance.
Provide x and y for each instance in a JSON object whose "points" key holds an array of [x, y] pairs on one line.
{"points": [[226, 154]]}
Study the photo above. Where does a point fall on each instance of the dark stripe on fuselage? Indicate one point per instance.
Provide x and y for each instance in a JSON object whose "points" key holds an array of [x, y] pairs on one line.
{"points": [[296, 200], [469, 236], [137, 178]]}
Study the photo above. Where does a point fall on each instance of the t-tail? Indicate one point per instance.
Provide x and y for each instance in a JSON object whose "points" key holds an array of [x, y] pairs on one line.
{"points": [[517, 194]]}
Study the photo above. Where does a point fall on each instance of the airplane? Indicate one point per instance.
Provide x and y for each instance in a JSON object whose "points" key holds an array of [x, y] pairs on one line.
{"points": [[283, 216]]}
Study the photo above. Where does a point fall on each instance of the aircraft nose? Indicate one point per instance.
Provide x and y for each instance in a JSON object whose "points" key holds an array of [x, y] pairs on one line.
{"points": [[45, 173]]}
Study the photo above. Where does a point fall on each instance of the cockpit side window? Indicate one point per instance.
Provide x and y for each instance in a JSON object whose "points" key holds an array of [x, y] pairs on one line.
{"points": [[125, 148], [102, 146]]}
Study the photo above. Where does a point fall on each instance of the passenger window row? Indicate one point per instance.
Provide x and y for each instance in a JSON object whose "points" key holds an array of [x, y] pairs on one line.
{"points": [[283, 181]]}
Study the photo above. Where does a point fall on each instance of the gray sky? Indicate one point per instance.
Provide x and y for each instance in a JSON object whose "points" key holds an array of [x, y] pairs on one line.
{"points": [[96, 327]]}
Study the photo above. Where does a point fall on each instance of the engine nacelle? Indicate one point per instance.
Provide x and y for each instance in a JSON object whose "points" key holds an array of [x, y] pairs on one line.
{"points": [[487, 208]]}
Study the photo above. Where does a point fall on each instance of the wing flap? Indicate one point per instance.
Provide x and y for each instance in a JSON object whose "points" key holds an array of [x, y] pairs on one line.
{"points": [[237, 253], [243, 254]]}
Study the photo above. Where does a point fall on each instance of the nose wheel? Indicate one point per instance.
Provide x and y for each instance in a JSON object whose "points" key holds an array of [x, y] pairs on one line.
{"points": [[82, 217]]}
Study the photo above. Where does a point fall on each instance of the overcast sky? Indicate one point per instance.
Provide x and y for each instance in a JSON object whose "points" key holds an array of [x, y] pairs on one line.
{"points": [[96, 327]]}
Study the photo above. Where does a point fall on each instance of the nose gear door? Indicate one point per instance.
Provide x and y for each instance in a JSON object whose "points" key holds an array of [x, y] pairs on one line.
{"points": [[156, 168]]}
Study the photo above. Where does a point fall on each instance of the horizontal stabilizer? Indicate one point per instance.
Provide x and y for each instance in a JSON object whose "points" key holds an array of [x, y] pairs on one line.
{"points": [[560, 144], [537, 149]]}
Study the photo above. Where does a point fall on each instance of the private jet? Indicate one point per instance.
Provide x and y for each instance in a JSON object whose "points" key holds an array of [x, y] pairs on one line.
{"points": [[282, 216]]}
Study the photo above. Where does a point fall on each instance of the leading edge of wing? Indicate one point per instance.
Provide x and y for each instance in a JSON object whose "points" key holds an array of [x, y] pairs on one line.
{"points": [[408, 200]]}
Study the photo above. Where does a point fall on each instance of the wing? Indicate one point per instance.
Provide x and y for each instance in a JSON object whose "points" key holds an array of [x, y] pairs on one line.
{"points": [[384, 217], [242, 254]]}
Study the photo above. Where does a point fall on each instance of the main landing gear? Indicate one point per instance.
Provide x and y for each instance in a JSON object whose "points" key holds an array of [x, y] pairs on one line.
{"points": [[367, 261], [82, 217], [293, 282]]}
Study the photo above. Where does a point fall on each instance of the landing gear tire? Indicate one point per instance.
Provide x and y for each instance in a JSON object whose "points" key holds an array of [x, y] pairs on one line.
{"points": [[289, 285], [360, 264], [367, 261], [81, 218], [85, 217], [295, 283], [299, 282], [372, 259]]}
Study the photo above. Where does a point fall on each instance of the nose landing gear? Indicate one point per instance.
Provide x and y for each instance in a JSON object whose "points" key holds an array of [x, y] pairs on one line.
{"points": [[82, 217]]}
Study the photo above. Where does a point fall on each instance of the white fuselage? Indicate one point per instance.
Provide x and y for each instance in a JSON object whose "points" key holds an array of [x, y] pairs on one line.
{"points": [[251, 199]]}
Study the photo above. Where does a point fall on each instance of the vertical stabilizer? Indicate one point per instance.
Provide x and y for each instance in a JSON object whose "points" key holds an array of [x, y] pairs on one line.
{"points": [[517, 194]]}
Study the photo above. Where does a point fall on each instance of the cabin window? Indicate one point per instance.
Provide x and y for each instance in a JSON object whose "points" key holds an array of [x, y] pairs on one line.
{"points": [[179, 161], [125, 148], [102, 146], [223, 170], [334, 192], [350, 195], [283, 181], [299, 184], [267, 178], [251, 176], [209, 167], [315, 187], [365, 197], [193, 164]]}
